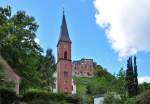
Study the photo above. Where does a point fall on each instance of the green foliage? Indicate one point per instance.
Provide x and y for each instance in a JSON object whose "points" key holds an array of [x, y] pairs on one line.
{"points": [[144, 97], [100, 71], [132, 100], [8, 96], [41, 94], [112, 98], [19, 49], [131, 78], [100, 84], [18, 46], [36, 96], [47, 68], [2, 74], [120, 85], [144, 86]]}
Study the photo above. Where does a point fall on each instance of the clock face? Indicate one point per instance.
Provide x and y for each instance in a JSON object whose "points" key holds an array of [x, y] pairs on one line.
{"points": [[65, 46]]}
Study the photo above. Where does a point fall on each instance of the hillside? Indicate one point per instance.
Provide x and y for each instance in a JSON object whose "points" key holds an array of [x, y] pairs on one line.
{"points": [[87, 87], [112, 87]]}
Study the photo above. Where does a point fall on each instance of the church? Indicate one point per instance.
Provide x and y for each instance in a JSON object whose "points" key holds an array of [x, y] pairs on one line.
{"points": [[64, 80]]}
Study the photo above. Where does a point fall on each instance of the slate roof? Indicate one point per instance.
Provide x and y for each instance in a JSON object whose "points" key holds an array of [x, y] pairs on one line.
{"points": [[64, 35]]}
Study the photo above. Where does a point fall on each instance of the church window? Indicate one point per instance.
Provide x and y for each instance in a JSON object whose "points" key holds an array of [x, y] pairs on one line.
{"points": [[65, 82], [75, 67], [65, 55], [88, 73], [66, 74], [66, 90]]}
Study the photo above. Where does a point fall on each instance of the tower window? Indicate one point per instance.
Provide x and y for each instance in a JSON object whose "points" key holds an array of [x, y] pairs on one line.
{"points": [[66, 90], [65, 55], [66, 74]]}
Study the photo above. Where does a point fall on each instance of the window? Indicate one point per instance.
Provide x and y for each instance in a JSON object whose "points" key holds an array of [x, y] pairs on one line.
{"points": [[65, 83], [65, 55], [88, 73], [65, 74], [54, 85], [75, 67], [66, 90]]}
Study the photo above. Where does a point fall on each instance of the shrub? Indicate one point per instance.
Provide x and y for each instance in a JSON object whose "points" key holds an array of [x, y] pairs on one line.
{"points": [[132, 100], [8, 96], [41, 94], [144, 98], [73, 99], [112, 98], [38, 96]]}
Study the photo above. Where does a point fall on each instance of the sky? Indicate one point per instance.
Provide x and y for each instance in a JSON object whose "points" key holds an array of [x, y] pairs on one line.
{"points": [[107, 31]]}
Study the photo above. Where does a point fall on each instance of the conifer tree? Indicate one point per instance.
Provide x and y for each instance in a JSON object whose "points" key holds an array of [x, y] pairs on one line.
{"points": [[131, 78], [135, 77]]}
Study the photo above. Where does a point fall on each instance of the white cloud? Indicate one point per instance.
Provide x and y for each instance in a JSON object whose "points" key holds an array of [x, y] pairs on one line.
{"points": [[144, 79], [37, 40], [126, 23]]}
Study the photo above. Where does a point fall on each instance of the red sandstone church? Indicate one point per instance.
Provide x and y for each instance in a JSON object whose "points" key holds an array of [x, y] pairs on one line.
{"points": [[66, 69], [64, 81]]}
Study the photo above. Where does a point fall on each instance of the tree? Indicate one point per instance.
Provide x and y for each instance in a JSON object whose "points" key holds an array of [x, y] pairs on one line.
{"points": [[100, 71], [144, 86], [131, 78], [135, 78], [48, 68], [120, 86], [18, 46]]}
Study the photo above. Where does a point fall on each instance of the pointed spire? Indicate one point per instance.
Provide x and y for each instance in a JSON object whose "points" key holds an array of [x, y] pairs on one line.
{"points": [[64, 35], [63, 11]]}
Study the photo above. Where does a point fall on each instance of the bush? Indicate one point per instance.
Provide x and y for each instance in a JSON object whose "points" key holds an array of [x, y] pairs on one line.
{"points": [[41, 94], [8, 96], [144, 86], [112, 98], [132, 100], [37, 96], [73, 99], [144, 98]]}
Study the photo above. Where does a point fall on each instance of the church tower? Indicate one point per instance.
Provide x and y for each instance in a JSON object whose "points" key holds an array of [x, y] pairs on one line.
{"points": [[64, 64]]}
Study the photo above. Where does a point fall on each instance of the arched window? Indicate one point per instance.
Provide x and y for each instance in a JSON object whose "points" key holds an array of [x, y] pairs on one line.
{"points": [[65, 55]]}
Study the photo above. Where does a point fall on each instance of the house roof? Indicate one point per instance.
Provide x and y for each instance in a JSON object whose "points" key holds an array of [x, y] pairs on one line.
{"points": [[9, 71]]}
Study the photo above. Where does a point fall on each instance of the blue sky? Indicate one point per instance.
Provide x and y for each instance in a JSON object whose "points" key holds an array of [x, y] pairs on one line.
{"points": [[88, 39]]}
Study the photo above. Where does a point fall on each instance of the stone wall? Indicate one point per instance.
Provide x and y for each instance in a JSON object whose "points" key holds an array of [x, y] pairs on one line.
{"points": [[83, 68]]}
